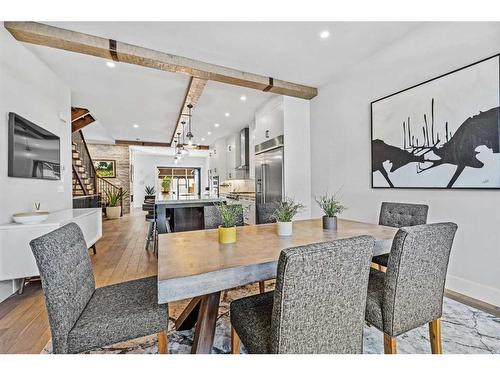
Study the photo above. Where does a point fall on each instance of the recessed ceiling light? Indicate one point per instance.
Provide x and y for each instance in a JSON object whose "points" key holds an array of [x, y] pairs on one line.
{"points": [[203, 139], [209, 133], [324, 34], [227, 114], [216, 125], [110, 64], [135, 126], [243, 98]]}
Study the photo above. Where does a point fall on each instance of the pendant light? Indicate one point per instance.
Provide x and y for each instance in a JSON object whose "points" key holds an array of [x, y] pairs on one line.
{"points": [[189, 134], [184, 151]]}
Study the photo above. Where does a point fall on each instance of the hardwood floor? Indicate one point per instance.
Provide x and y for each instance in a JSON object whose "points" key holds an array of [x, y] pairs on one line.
{"points": [[24, 327]]}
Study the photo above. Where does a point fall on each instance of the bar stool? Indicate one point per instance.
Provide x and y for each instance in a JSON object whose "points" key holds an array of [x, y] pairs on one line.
{"points": [[150, 218]]}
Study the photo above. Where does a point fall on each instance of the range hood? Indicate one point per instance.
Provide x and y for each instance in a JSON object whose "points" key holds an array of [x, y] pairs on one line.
{"points": [[244, 146]]}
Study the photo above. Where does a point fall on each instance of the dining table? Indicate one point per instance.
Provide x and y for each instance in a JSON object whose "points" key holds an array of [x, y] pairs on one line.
{"points": [[195, 265]]}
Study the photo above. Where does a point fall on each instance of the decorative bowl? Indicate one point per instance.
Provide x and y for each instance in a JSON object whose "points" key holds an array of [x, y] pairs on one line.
{"points": [[30, 217]]}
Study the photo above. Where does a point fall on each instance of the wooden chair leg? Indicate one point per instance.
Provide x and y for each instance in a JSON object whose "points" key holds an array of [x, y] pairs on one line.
{"points": [[389, 344], [262, 287], [235, 342], [162, 342], [435, 336]]}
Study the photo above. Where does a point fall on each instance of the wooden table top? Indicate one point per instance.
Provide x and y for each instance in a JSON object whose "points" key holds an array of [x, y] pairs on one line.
{"points": [[194, 263]]}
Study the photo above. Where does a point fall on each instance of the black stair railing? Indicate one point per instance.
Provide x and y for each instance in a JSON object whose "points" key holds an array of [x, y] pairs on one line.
{"points": [[91, 184]]}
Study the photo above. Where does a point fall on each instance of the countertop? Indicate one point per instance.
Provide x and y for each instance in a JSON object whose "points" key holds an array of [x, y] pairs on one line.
{"points": [[56, 218], [190, 202]]}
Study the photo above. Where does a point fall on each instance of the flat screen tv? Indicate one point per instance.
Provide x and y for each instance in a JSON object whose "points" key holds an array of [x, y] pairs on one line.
{"points": [[33, 151]]}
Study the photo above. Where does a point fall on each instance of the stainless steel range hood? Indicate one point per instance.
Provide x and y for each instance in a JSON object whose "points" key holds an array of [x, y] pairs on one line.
{"points": [[244, 146]]}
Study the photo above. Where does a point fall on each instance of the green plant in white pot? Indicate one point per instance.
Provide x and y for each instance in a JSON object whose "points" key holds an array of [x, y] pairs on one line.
{"points": [[284, 214], [331, 208], [113, 198]]}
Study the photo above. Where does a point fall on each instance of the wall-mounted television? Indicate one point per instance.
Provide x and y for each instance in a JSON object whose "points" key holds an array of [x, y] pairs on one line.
{"points": [[33, 151]]}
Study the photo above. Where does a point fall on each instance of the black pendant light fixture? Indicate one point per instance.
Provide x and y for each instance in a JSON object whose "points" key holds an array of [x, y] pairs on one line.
{"points": [[189, 134]]}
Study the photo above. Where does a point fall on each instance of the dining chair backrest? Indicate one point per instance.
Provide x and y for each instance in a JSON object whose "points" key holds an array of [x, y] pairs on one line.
{"points": [[393, 214], [265, 212], [320, 297], [416, 275], [212, 218], [67, 279]]}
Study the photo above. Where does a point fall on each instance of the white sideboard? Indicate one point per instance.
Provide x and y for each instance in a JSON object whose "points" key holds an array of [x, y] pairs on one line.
{"points": [[17, 260]]}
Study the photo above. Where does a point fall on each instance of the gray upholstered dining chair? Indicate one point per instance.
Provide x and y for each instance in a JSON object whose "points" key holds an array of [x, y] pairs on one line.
{"points": [[82, 317], [318, 305], [393, 214], [212, 218], [264, 212], [410, 293]]}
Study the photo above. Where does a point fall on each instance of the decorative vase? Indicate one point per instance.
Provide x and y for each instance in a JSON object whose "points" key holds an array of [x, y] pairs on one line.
{"points": [[330, 222], [227, 235], [285, 228], [113, 212]]}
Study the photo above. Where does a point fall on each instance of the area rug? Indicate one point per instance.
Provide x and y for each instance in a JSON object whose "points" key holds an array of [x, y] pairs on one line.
{"points": [[465, 330]]}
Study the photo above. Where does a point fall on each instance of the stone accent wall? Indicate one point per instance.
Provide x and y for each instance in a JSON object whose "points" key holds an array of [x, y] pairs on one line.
{"points": [[120, 154]]}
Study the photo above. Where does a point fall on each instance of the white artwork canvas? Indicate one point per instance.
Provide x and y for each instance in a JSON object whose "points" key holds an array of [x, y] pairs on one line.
{"points": [[444, 133]]}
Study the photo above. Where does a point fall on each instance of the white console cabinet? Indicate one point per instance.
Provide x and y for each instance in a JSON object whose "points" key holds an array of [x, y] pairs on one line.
{"points": [[17, 260]]}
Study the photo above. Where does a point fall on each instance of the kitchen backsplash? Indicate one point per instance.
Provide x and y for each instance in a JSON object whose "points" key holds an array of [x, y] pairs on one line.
{"points": [[237, 186]]}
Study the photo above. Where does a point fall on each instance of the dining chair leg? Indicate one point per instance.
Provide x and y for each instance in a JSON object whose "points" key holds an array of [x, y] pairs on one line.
{"points": [[435, 336], [162, 342], [235, 342], [262, 287], [389, 344]]}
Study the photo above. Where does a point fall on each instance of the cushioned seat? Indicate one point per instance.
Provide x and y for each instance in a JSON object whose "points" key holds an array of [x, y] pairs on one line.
{"points": [[251, 318], [318, 305], [82, 317], [117, 313], [410, 293]]}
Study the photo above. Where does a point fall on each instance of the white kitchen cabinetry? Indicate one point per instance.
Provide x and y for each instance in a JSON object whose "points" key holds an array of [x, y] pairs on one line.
{"points": [[230, 157], [269, 121]]}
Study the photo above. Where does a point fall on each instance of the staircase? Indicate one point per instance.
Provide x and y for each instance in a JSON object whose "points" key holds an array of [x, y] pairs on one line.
{"points": [[89, 190]]}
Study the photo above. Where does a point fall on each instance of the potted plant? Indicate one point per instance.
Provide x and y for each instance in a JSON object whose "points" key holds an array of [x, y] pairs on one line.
{"points": [[284, 214], [229, 215], [113, 197], [165, 184], [150, 192], [331, 208]]}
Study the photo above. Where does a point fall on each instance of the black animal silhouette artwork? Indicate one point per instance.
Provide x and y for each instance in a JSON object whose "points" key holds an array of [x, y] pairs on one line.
{"points": [[457, 149]]}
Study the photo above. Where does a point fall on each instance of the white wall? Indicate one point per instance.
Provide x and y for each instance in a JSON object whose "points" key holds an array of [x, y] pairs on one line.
{"points": [[29, 88], [297, 153], [145, 171], [340, 139]]}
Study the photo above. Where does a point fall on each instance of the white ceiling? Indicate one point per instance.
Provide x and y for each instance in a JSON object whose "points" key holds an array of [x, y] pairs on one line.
{"points": [[128, 94]]}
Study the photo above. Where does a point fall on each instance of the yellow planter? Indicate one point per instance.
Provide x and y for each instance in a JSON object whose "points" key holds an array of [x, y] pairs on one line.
{"points": [[227, 235]]}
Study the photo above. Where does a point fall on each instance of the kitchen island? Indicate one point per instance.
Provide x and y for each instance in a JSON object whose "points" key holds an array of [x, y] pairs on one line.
{"points": [[184, 214]]}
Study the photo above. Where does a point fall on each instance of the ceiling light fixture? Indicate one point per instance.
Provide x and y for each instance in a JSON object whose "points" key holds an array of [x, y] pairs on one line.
{"points": [[189, 134], [135, 126], [243, 98], [216, 125], [324, 34], [227, 114], [203, 139], [209, 133], [110, 64]]}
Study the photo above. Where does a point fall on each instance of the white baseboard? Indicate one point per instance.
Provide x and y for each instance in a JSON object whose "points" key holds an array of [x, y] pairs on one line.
{"points": [[474, 290]]}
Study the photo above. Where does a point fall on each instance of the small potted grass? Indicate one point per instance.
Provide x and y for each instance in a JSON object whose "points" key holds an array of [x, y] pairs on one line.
{"points": [[149, 192], [114, 198], [331, 208], [284, 214], [229, 215]]}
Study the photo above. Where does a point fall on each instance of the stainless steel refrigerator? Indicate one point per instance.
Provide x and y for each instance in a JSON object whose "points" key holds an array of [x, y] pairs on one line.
{"points": [[269, 171]]}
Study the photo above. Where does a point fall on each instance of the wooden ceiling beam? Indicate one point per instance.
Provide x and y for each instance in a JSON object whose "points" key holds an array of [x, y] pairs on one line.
{"points": [[78, 112], [154, 144], [50, 36]]}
